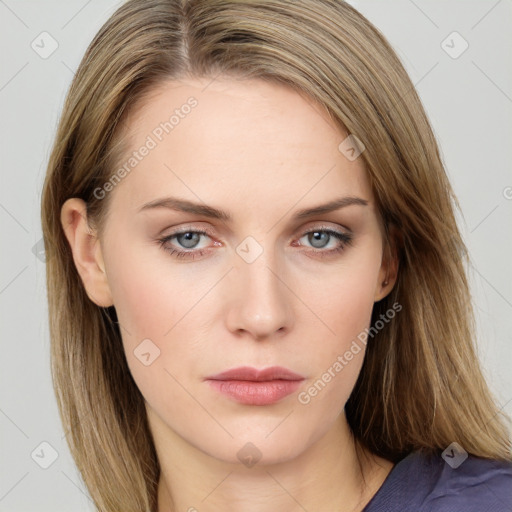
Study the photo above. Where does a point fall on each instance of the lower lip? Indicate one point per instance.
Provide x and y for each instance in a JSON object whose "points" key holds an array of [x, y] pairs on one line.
{"points": [[256, 393]]}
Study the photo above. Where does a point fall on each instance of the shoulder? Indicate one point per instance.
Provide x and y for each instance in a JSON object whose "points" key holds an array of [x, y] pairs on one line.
{"points": [[477, 484], [430, 483]]}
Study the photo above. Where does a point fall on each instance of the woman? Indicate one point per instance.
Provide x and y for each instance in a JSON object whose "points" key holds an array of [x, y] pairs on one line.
{"points": [[256, 283]]}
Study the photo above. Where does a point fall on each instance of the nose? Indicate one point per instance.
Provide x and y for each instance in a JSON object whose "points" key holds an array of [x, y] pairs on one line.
{"points": [[260, 305]]}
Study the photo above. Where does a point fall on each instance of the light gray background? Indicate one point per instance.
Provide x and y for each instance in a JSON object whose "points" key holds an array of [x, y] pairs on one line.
{"points": [[469, 102]]}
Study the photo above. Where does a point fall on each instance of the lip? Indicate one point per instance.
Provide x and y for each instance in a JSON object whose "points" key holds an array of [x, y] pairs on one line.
{"points": [[251, 386], [255, 375]]}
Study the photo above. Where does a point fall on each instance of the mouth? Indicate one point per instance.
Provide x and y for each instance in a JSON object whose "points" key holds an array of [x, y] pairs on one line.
{"points": [[251, 386]]}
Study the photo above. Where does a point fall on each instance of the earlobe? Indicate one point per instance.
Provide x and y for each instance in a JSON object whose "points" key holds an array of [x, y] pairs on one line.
{"points": [[387, 281], [388, 273], [86, 250]]}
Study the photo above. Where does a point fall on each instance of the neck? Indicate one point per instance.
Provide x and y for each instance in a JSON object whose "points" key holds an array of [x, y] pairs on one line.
{"points": [[326, 476]]}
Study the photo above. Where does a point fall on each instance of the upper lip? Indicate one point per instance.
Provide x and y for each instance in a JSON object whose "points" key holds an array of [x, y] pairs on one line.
{"points": [[253, 374]]}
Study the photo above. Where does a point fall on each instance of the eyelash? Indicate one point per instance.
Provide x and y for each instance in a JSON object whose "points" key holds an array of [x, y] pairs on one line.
{"points": [[344, 238]]}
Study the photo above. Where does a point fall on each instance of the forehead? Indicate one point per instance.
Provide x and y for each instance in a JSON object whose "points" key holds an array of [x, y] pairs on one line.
{"points": [[213, 140]]}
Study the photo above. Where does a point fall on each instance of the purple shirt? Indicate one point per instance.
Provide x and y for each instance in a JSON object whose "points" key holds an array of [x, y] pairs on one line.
{"points": [[422, 483]]}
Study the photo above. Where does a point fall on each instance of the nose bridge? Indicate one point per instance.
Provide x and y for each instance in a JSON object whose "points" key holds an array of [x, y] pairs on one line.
{"points": [[261, 306]]}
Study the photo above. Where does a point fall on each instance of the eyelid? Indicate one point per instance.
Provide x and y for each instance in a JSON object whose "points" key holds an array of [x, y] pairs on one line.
{"points": [[319, 225], [186, 228], [210, 232]]}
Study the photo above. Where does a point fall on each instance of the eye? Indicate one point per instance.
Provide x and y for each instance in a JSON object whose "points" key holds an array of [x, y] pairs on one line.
{"points": [[322, 237], [188, 240]]}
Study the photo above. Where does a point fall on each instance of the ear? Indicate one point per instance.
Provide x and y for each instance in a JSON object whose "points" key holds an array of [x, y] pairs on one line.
{"points": [[86, 249], [388, 272]]}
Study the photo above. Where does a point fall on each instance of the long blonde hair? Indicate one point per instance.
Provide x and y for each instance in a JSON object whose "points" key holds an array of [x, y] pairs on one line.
{"points": [[421, 386]]}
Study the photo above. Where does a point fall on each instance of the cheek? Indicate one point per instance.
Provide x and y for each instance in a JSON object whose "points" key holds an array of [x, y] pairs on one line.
{"points": [[149, 307], [344, 297], [141, 300], [151, 293], [344, 303], [162, 302]]}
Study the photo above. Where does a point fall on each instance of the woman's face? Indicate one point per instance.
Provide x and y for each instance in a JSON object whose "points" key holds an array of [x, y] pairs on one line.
{"points": [[262, 284]]}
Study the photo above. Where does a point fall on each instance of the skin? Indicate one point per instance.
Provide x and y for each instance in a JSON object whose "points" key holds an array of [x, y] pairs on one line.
{"points": [[261, 152]]}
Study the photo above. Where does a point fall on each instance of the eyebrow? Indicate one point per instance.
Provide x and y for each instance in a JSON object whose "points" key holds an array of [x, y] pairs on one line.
{"points": [[183, 205]]}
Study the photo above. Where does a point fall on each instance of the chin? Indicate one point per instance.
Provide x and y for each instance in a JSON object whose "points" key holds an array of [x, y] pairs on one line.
{"points": [[256, 447]]}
